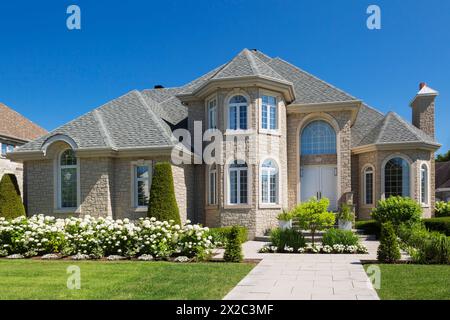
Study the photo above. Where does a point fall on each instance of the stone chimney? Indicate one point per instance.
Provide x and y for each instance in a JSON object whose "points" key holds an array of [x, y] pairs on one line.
{"points": [[423, 109]]}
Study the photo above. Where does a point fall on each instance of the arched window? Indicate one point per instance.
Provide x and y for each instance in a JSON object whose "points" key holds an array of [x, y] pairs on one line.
{"points": [[396, 178], [237, 113], [238, 182], [269, 182], [68, 180], [424, 184], [212, 185], [368, 180], [318, 137]]}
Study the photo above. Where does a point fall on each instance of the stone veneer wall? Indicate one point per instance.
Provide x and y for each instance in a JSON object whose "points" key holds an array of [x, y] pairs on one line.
{"points": [[376, 159], [343, 157]]}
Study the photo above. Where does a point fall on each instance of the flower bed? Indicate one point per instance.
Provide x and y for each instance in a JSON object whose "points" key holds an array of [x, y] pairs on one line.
{"points": [[335, 249], [100, 237]]}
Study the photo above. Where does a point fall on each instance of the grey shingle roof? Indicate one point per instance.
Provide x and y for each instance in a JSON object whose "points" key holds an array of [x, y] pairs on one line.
{"points": [[442, 174], [390, 129], [166, 105], [125, 122]]}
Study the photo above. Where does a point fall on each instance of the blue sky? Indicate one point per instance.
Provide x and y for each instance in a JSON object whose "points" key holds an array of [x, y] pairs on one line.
{"points": [[52, 75]]}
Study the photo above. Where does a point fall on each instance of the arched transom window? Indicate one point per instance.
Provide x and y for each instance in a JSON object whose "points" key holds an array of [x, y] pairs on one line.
{"points": [[68, 180], [396, 178], [269, 182], [318, 137], [238, 182], [237, 113]]}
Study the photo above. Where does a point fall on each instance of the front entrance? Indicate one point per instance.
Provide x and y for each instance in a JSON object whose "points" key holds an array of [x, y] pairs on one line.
{"points": [[319, 182]]}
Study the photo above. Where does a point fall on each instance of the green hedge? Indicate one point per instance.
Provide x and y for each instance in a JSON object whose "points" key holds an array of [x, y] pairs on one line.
{"points": [[163, 204], [438, 224], [335, 236], [11, 205], [370, 227], [222, 234], [233, 247]]}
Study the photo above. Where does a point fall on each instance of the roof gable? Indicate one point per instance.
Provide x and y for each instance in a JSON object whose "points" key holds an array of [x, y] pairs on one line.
{"points": [[16, 126]]}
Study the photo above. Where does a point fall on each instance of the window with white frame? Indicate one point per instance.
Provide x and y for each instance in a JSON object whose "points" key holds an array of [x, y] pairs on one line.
{"points": [[212, 114], [6, 148], [318, 137], [424, 184], [269, 119], [396, 178], [68, 180], [269, 182], [238, 182], [141, 185], [237, 113], [368, 185], [212, 187]]}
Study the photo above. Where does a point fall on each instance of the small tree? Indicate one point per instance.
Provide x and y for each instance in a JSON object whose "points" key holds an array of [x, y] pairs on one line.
{"points": [[11, 205], [314, 216], [163, 204], [388, 251], [233, 248]]}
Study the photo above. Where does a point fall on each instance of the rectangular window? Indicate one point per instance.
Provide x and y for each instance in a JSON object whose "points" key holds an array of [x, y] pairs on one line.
{"points": [[212, 114], [369, 188], [243, 186], [269, 113], [243, 117], [233, 118], [265, 188], [142, 186], [273, 188], [424, 185], [68, 187], [4, 147], [233, 187], [212, 187]]}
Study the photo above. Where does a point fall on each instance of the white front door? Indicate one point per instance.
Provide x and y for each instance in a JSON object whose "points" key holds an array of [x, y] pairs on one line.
{"points": [[319, 182]]}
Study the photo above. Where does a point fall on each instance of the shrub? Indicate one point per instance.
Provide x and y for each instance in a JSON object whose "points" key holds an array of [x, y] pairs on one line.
{"points": [[221, 235], [438, 224], [233, 248], [287, 238], [370, 227], [163, 204], [313, 215], [425, 247], [442, 209], [11, 205], [388, 251], [342, 237], [284, 216], [345, 213], [101, 237], [397, 210]]}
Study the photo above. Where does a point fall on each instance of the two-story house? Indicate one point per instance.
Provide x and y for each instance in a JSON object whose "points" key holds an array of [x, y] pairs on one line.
{"points": [[286, 136]]}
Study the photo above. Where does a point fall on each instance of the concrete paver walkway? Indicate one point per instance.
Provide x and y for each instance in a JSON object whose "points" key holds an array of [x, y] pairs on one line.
{"points": [[305, 276]]}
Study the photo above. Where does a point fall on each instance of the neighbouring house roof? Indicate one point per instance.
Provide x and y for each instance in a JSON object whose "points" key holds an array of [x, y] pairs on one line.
{"points": [[15, 126], [442, 175], [122, 122], [126, 122]]}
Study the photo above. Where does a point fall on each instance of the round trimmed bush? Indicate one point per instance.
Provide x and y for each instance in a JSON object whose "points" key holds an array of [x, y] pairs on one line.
{"points": [[11, 205], [397, 210], [163, 204]]}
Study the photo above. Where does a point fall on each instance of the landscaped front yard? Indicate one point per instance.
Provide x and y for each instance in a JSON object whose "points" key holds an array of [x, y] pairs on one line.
{"points": [[35, 279], [414, 282]]}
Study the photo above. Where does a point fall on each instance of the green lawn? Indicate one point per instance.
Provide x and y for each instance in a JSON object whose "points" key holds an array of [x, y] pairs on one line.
{"points": [[414, 282], [37, 279]]}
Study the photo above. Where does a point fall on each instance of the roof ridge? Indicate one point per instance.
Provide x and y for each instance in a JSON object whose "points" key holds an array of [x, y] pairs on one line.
{"points": [[383, 126], [154, 117], [316, 78], [104, 131], [253, 57], [409, 125]]}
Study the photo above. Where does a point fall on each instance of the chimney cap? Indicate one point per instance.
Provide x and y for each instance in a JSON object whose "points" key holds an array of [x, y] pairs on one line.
{"points": [[158, 86], [422, 85]]}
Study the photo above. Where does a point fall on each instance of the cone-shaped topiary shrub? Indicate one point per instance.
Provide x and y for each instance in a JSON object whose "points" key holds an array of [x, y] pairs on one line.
{"points": [[163, 204], [233, 248], [11, 205], [388, 251]]}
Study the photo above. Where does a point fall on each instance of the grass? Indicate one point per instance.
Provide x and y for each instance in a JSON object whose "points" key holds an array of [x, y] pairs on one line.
{"points": [[414, 282], [37, 279]]}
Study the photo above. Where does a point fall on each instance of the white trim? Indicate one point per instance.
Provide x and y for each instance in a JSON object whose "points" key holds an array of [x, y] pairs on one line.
{"points": [[226, 111], [227, 203], [363, 185], [278, 184], [59, 137], [427, 195], [278, 101], [411, 173], [134, 181], [215, 108], [212, 202], [57, 182]]}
